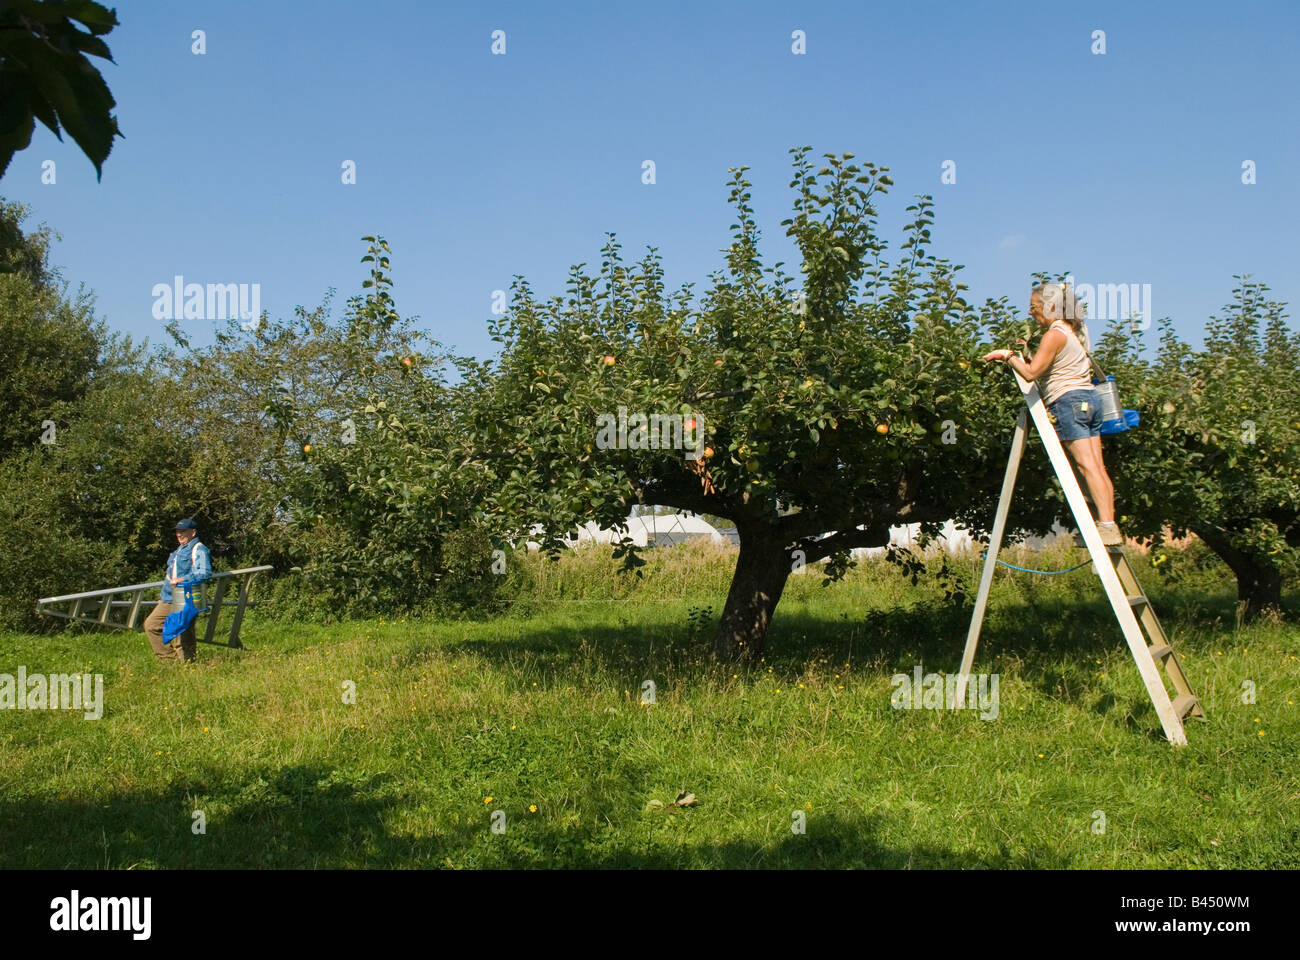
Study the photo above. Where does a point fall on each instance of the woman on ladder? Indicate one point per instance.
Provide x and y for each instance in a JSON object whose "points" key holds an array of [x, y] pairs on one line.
{"points": [[1064, 374]]}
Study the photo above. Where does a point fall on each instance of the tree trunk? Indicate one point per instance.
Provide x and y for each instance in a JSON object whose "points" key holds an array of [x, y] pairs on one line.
{"points": [[1259, 585], [1262, 593], [761, 572]]}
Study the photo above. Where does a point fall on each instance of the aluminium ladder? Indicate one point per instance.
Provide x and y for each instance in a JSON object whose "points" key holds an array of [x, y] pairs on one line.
{"points": [[119, 607], [1132, 608]]}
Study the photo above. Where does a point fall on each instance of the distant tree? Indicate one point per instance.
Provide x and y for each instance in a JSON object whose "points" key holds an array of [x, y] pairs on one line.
{"points": [[1218, 451], [93, 471], [50, 344], [45, 75], [276, 413], [24, 252]]}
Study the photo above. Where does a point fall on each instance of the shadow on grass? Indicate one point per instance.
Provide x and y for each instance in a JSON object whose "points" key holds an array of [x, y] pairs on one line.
{"points": [[932, 634], [322, 817], [1046, 636]]}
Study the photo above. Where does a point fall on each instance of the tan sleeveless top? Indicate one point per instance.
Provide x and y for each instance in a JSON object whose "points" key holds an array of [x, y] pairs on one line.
{"points": [[1071, 369]]}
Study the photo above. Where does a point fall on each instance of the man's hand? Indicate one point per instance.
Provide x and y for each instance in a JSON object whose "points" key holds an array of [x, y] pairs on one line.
{"points": [[999, 355], [175, 581]]}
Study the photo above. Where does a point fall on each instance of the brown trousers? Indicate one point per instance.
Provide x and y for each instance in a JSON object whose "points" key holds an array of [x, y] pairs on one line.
{"points": [[153, 628]]}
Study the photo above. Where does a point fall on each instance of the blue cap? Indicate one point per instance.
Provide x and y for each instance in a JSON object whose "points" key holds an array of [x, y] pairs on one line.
{"points": [[187, 524]]}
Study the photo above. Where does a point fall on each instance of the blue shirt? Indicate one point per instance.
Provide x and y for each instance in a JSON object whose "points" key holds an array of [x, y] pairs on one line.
{"points": [[191, 563]]}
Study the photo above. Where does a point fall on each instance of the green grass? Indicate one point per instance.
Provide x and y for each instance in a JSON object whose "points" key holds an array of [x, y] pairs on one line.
{"points": [[541, 709]]}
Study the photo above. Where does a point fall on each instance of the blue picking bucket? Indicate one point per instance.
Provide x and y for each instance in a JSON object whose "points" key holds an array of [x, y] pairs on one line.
{"points": [[1128, 421]]}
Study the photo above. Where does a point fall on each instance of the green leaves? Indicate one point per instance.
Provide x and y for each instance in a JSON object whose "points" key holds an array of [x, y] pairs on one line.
{"points": [[45, 75], [1220, 435]]}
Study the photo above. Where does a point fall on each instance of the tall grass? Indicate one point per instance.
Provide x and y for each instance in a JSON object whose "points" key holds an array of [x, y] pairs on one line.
{"points": [[545, 708]]}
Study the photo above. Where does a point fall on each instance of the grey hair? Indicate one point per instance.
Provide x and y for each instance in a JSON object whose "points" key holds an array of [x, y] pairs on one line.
{"points": [[1063, 303]]}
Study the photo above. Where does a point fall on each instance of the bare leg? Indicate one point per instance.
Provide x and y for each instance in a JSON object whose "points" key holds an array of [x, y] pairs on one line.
{"points": [[1078, 475], [1086, 454]]}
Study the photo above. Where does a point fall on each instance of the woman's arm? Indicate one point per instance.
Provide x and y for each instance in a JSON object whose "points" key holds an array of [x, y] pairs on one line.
{"points": [[1052, 343]]}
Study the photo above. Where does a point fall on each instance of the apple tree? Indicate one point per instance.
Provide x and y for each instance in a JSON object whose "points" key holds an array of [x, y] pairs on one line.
{"points": [[1218, 451], [823, 411]]}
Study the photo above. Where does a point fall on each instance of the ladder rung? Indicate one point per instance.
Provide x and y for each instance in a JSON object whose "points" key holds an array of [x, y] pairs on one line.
{"points": [[1114, 549], [1137, 600], [1184, 705], [1160, 652]]}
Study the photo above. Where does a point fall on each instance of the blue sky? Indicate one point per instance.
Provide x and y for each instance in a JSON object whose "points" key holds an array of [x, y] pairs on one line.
{"points": [[1124, 168]]}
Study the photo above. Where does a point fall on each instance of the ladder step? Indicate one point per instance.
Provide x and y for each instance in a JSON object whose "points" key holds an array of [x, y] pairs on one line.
{"points": [[1137, 600], [1114, 549], [1184, 705], [1160, 652]]}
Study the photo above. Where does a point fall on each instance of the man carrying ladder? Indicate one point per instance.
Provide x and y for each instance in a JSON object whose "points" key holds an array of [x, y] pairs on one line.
{"points": [[189, 565]]}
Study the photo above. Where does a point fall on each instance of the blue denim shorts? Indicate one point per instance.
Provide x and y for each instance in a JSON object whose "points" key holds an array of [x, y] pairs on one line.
{"points": [[1076, 415]]}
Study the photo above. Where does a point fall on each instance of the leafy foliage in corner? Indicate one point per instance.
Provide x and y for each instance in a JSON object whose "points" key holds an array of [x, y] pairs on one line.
{"points": [[45, 75]]}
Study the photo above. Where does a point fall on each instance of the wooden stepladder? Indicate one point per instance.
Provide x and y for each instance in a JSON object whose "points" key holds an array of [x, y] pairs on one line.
{"points": [[1132, 608]]}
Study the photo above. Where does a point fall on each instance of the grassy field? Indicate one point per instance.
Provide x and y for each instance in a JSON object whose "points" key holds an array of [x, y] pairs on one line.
{"points": [[538, 715]]}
